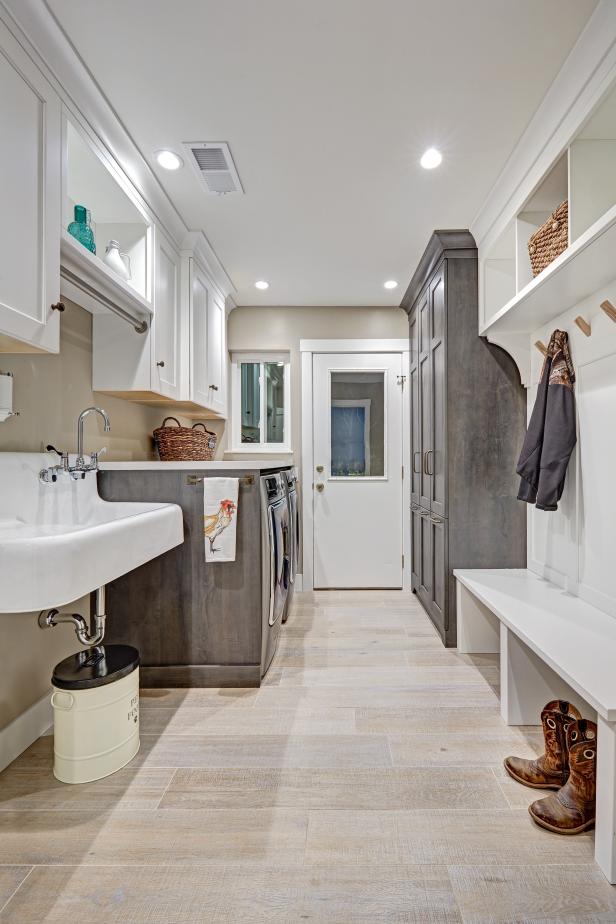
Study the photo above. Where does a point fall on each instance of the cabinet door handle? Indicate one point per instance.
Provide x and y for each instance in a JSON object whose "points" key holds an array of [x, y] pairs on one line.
{"points": [[416, 471], [436, 519], [59, 306], [214, 387], [414, 506], [424, 513], [161, 363], [427, 470]]}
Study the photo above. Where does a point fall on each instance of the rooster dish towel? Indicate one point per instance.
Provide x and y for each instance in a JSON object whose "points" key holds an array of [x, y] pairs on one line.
{"points": [[220, 517]]}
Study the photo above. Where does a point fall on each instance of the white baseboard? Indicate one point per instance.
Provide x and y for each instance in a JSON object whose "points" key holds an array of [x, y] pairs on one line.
{"points": [[24, 730]]}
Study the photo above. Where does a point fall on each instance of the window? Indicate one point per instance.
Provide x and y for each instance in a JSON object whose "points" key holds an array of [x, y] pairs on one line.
{"points": [[261, 391], [357, 424]]}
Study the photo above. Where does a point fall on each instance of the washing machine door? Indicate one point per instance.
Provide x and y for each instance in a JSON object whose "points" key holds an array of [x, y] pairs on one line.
{"points": [[278, 529], [293, 534]]}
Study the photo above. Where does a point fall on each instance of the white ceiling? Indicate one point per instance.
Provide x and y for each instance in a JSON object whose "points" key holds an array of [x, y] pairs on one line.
{"points": [[327, 106]]}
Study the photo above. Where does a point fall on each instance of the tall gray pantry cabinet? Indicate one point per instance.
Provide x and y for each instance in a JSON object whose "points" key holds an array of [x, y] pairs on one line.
{"points": [[468, 418]]}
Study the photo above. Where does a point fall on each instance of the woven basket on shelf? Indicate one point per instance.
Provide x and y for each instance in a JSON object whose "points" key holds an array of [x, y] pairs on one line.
{"points": [[549, 241], [184, 444]]}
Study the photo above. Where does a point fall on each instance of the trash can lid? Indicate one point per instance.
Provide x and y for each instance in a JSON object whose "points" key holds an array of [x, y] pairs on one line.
{"points": [[95, 667]]}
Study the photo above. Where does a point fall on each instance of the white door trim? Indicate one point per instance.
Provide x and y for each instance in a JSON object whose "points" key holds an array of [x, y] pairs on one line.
{"points": [[354, 346], [307, 349]]}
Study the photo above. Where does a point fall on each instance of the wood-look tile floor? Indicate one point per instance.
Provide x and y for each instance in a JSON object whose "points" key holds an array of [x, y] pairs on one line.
{"points": [[362, 783]]}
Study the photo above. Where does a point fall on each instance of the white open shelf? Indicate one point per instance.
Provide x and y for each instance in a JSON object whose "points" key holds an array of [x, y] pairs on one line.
{"points": [[98, 276], [513, 302], [585, 266], [116, 214]]}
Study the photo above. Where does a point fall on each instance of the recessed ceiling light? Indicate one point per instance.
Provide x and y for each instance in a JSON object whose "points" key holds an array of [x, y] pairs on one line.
{"points": [[169, 160], [390, 284], [261, 284], [431, 159]]}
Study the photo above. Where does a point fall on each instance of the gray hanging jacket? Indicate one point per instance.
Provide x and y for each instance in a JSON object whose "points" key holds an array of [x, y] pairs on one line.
{"points": [[550, 437]]}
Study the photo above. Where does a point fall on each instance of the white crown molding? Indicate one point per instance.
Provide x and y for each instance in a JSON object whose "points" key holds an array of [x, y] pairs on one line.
{"points": [[586, 75], [36, 29]]}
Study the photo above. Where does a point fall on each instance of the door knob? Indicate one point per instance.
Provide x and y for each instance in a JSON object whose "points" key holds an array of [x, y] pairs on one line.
{"points": [[320, 486], [161, 363], [319, 468]]}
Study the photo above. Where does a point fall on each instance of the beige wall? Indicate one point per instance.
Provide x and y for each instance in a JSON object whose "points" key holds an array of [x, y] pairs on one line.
{"points": [[283, 328], [49, 393], [50, 390]]}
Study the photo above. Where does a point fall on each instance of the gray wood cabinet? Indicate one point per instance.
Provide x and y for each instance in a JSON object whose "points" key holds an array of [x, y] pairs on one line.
{"points": [[194, 624], [468, 417]]}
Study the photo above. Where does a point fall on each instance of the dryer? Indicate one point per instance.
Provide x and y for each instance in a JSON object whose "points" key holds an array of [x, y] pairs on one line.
{"points": [[275, 562], [291, 480]]}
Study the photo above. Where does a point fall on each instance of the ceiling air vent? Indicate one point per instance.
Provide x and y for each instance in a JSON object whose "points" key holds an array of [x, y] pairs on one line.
{"points": [[213, 162]]}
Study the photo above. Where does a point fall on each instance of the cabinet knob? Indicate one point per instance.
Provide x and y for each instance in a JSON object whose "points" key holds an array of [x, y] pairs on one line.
{"points": [[59, 306], [161, 363], [214, 387]]}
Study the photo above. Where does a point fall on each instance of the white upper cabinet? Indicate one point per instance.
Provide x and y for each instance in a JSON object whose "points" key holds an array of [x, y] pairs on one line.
{"points": [[166, 330], [216, 354], [207, 342], [30, 173]]}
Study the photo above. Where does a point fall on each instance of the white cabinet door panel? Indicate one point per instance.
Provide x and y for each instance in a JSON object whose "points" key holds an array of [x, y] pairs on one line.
{"points": [[166, 332], [199, 298], [30, 190], [216, 366]]}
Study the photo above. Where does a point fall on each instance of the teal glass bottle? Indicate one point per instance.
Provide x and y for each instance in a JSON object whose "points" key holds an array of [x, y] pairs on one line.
{"points": [[81, 230]]}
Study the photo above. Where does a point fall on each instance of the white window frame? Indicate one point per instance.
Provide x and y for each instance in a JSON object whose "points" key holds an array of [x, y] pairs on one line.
{"points": [[237, 358]]}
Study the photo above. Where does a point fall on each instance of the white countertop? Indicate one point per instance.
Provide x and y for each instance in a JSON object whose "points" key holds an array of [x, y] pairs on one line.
{"points": [[250, 465]]}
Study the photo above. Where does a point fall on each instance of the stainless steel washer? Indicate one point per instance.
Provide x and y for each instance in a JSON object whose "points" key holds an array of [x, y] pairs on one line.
{"points": [[291, 480], [275, 562]]}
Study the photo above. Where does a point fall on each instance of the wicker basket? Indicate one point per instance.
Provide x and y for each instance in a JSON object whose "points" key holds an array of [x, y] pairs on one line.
{"points": [[184, 444], [549, 241]]}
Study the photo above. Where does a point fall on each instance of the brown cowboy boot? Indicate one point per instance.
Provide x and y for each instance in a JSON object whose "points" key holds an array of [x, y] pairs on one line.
{"points": [[551, 770], [572, 809]]}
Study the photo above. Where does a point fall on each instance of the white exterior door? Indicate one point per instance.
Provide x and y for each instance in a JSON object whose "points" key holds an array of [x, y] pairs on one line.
{"points": [[357, 470]]}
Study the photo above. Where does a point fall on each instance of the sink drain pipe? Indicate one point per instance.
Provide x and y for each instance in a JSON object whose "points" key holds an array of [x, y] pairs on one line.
{"points": [[92, 635]]}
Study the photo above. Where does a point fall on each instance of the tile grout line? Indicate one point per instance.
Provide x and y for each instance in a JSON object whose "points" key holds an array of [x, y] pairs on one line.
{"points": [[15, 891]]}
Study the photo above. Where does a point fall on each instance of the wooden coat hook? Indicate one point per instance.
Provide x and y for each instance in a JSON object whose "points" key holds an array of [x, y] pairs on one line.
{"points": [[583, 324], [609, 310], [541, 347]]}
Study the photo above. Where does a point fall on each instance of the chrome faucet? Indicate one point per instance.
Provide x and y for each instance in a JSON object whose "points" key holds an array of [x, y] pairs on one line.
{"points": [[81, 462], [81, 467]]}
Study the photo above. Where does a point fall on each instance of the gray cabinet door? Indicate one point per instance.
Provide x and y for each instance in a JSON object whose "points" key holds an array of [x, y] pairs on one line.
{"points": [[415, 547], [425, 560], [436, 451], [425, 400], [416, 456], [438, 608]]}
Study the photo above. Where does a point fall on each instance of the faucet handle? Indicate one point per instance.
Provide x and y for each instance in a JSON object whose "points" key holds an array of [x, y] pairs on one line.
{"points": [[63, 456]]}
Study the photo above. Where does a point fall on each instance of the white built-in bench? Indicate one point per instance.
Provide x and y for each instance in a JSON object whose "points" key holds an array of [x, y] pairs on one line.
{"points": [[552, 645]]}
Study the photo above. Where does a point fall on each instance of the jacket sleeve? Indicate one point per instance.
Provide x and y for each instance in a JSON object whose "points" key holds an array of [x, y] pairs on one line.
{"points": [[559, 439], [530, 457]]}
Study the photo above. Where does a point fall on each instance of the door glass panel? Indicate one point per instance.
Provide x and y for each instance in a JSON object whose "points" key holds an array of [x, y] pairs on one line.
{"points": [[357, 424], [274, 397], [251, 402]]}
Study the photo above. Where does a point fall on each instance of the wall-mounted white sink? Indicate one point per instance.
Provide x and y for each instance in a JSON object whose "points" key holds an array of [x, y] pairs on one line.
{"points": [[60, 541]]}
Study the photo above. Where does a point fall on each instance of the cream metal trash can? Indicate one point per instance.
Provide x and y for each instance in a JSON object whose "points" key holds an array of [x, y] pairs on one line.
{"points": [[96, 712]]}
